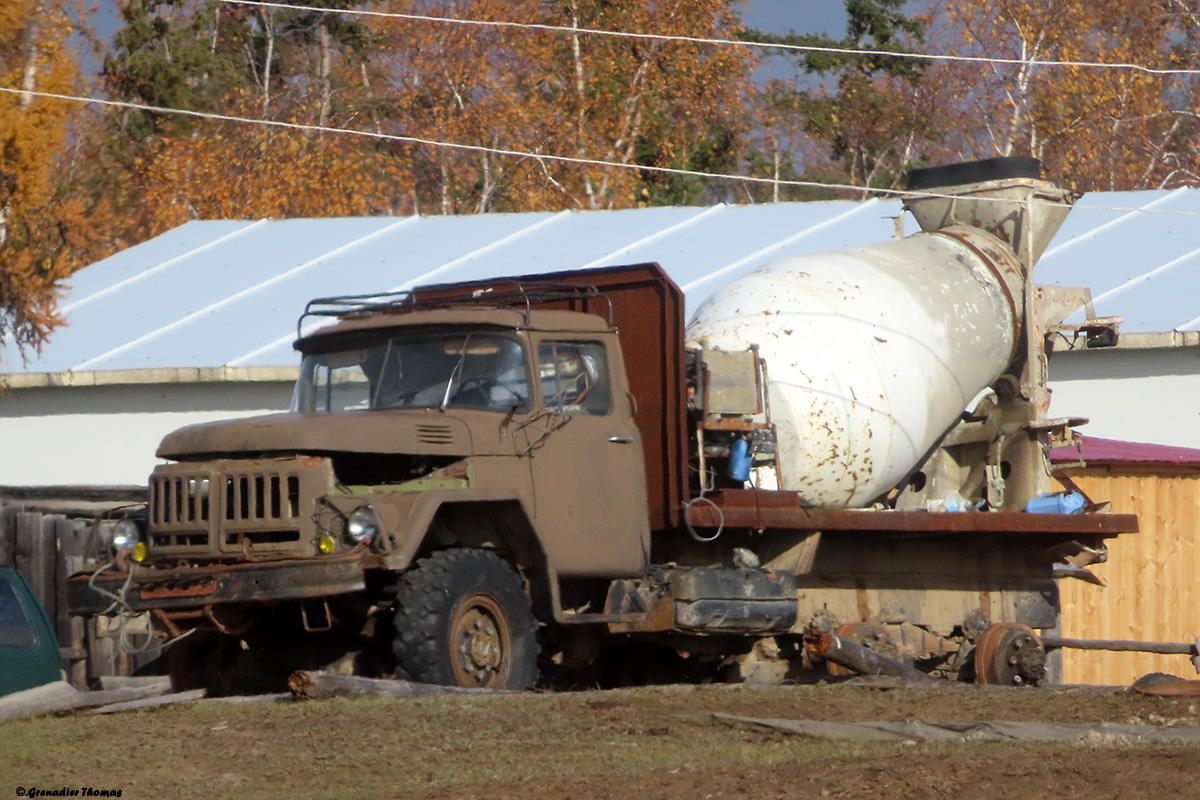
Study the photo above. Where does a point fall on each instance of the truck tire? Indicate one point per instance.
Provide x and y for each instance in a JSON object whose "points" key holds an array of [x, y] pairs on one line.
{"points": [[463, 619]]}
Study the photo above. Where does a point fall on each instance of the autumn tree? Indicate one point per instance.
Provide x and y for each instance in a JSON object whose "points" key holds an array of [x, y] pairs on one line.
{"points": [[232, 170], [640, 103], [171, 54], [47, 226], [861, 105], [1095, 128], [260, 64]]}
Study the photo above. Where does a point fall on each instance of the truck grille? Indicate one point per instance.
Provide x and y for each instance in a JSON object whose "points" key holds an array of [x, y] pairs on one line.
{"points": [[262, 497], [222, 508], [181, 499]]}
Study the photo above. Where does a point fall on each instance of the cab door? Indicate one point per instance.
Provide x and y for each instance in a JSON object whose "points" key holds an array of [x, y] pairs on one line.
{"points": [[585, 455]]}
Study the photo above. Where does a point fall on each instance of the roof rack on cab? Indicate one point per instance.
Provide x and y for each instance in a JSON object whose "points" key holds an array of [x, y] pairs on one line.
{"points": [[504, 292]]}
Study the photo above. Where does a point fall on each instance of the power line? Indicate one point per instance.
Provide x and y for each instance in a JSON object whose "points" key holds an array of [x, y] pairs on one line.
{"points": [[594, 162], [666, 37], [500, 151]]}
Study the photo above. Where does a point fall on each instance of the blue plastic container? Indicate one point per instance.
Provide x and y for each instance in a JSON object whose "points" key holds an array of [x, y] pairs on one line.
{"points": [[740, 460], [1057, 503]]}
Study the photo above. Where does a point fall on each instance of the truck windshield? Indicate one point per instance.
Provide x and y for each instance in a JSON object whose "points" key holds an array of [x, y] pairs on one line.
{"points": [[445, 370]]}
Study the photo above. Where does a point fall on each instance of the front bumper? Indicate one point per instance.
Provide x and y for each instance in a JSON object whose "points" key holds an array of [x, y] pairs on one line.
{"points": [[217, 584]]}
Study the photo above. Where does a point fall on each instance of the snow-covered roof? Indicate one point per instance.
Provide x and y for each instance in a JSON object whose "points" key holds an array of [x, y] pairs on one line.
{"points": [[226, 293]]}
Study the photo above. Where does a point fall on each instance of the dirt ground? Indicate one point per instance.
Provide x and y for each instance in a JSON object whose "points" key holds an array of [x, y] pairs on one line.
{"points": [[646, 743]]}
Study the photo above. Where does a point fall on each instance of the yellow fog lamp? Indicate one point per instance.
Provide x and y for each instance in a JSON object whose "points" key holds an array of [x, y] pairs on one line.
{"points": [[139, 552], [326, 543]]}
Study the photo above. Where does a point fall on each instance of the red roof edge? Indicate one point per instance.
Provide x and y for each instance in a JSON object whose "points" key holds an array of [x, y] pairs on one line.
{"points": [[1111, 450]]}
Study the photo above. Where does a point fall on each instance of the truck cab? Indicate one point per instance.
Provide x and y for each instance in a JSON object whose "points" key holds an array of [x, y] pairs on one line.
{"points": [[416, 430]]}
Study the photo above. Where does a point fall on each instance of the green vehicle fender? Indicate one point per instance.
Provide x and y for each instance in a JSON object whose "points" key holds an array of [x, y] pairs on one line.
{"points": [[29, 654]]}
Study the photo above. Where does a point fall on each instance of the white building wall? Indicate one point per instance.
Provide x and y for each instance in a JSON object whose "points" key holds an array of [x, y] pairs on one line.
{"points": [[107, 435], [1131, 394]]}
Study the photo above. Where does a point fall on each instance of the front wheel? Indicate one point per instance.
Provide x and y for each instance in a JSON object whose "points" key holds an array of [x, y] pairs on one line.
{"points": [[464, 619]]}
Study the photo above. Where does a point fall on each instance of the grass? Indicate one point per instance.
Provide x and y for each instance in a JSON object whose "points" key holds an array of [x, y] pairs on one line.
{"points": [[659, 742]]}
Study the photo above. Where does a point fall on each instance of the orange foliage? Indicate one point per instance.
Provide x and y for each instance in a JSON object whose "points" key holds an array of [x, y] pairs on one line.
{"points": [[232, 170], [45, 229], [590, 97], [1095, 129], [645, 103]]}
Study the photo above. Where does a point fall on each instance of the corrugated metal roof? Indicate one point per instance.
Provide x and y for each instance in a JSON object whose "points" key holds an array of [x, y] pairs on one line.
{"points": [[1093, 450], [227, 293]]}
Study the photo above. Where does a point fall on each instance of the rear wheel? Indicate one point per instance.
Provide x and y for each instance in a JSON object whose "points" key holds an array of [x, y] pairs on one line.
{"points": [[464, 619]]}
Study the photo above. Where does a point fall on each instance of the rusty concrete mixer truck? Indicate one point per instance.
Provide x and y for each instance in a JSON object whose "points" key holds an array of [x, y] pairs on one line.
{"points": [[844, 454]]}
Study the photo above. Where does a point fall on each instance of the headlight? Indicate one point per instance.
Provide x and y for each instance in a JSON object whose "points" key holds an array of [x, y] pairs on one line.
{"points": [[125, 535], [363, 525]]}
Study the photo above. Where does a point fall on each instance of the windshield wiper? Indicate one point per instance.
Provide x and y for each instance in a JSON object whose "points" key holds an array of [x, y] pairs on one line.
{"points": [[458, 368], [387, 352]]}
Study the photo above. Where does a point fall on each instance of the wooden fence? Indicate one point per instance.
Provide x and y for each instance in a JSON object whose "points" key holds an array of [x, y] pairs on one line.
{"points": [[1152, 575], [48, 547]]}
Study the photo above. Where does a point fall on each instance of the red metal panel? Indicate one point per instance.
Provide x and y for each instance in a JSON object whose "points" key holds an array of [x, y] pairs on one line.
{"points": [[749, 508]]}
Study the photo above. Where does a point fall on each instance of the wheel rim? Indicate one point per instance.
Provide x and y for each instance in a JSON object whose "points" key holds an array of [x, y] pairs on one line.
{"points": [[1009, 654], [480, 642]]}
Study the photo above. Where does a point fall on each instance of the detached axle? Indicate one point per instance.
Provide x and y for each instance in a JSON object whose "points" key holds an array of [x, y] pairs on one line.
{"points": [[863, 660]]}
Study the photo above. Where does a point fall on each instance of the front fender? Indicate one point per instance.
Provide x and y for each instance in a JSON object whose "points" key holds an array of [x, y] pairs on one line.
{"points": [[407, 518], [494, 518]]}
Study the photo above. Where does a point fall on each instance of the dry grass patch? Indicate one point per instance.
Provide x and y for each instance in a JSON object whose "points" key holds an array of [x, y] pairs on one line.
{"points": [[653, 742]]}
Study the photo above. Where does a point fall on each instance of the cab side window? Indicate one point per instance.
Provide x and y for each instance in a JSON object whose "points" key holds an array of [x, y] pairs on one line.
{"points": [[574, 377]]}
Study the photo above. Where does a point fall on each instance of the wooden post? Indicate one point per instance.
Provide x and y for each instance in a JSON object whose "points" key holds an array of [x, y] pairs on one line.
{"points": [[101, 649], [8, 535], [37, 556], [72, 537]]}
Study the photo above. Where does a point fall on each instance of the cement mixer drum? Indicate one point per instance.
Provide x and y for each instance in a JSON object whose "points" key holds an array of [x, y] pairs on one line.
{"points": [[873, 352]]}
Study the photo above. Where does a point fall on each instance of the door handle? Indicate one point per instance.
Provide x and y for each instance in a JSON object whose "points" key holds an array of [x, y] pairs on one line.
{"points": [[621, 439]]}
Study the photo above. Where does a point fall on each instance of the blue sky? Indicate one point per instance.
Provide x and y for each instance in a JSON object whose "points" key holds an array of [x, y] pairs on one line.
{"points": [[802, 16]]}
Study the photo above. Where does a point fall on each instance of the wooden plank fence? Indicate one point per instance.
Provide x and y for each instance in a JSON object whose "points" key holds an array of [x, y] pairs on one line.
{"points": [[49, 547], [1152, 592]]}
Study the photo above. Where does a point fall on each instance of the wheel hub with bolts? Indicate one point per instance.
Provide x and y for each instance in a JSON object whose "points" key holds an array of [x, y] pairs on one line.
{"points": [[479, 638], [463, 618], [1009, 654]]}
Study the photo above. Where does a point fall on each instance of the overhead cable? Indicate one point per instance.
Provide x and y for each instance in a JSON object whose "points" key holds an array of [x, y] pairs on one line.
{"points": [[535, 156], [667, 37], [475, 148]]}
